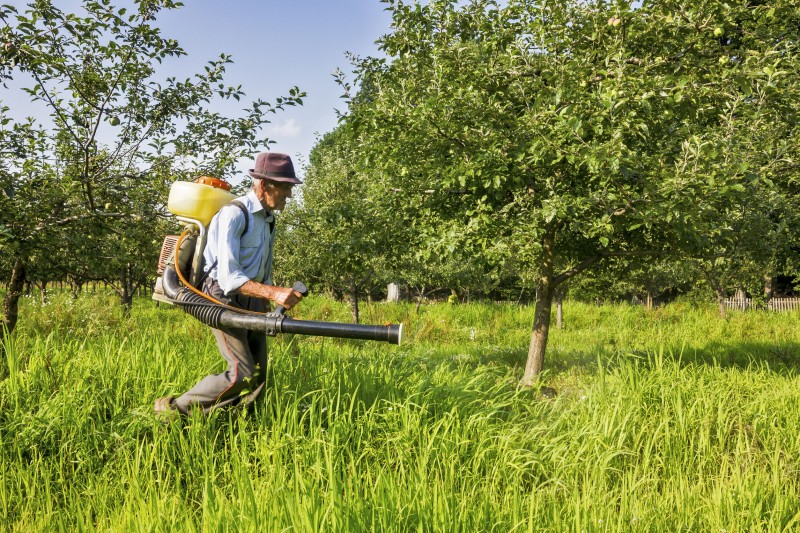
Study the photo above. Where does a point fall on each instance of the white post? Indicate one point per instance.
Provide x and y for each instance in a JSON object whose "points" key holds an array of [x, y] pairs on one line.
{"points": [[393, 291]]}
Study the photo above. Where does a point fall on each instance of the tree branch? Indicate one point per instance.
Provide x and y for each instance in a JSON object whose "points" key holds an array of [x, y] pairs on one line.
{"points": [[591, 261], [574, 271]]}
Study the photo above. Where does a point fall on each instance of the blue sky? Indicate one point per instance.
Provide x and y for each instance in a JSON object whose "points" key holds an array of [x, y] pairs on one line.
{"points": [[275, 45]]}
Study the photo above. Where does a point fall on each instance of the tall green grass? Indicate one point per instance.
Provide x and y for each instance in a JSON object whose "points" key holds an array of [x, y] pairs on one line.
{"points": [[663, 420]]}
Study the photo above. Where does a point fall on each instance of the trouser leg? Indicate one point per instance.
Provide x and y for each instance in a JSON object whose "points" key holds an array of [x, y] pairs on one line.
{"points": [[246, 354]]}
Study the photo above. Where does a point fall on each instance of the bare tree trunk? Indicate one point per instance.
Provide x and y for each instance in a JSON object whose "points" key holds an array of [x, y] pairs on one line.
{"points": [[126, 299], [43, 290], [545, 289], [354, 299], [649, 300], [769, 288], [723, 312], [11, 299], [75, 288], [126, 289], [741, 299]]}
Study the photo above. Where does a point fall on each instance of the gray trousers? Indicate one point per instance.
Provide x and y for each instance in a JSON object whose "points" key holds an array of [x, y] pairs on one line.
{"points": [[246, 354]]}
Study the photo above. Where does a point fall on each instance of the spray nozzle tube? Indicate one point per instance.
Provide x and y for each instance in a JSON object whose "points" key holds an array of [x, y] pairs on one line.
{"points": [[218, 316]]}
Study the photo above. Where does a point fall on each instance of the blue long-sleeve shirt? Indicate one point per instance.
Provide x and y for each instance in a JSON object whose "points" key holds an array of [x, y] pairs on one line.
{"points": [[238, 257]]}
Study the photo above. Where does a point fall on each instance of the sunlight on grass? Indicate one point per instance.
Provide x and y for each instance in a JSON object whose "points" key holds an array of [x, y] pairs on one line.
{"points": [[662, 420]]}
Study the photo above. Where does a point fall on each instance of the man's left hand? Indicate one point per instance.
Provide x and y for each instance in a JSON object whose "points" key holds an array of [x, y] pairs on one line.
{"points": [[284, 296]]}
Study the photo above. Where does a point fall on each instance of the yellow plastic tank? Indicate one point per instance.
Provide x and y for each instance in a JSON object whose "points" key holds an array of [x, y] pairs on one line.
{"points": [[200, 199]]}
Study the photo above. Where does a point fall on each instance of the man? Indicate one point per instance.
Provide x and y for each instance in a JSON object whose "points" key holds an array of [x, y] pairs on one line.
{"points": [[238, 259]]}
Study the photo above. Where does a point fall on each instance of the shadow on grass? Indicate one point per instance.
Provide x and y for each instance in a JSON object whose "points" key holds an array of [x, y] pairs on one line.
{"points": [[782, 358], [468, 381]]}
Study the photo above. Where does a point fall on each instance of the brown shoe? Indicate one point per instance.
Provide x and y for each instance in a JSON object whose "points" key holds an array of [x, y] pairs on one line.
{"points": [[165, 408]]}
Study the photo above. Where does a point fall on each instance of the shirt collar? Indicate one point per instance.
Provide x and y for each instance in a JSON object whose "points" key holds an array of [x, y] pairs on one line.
{"points": [[254, 205]]}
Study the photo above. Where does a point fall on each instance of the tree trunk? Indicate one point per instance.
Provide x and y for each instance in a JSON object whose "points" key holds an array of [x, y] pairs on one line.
{"points": [[723, 312], [649, 300], [127, 289], [769, 288], [75, 288], [43, 289], [11, 299], [545, 289], [741, 299], [126, 299], [354, 300]]}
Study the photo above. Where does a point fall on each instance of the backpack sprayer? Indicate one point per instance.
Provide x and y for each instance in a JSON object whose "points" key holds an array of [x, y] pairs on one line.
{"points": [[180, 269]]}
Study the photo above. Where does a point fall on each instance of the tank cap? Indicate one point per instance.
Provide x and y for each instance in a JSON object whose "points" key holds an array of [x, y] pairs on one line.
{"points": [[214, 182]]}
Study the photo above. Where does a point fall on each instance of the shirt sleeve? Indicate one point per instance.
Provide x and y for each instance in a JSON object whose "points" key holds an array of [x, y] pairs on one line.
{"points": [[230, 274]]}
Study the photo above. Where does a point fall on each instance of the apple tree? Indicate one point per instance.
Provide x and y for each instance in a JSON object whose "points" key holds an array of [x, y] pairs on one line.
{"points": [[582, 131]]}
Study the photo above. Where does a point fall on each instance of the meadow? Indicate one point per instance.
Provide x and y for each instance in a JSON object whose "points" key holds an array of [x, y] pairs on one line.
{"points": [[666, 420]]}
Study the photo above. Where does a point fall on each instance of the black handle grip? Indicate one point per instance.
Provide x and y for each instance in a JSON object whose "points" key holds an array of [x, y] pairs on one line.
{"points": [[300, 287]]}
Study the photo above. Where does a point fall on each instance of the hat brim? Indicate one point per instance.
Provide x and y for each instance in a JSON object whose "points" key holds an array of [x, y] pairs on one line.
{"points": [[272, 177]]}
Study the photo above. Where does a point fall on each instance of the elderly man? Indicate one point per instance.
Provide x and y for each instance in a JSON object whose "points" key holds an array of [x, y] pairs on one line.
{"points": [[238, 258]]}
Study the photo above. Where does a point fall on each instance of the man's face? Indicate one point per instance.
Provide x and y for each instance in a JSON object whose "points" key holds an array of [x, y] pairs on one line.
{"points": [[273, 194]]}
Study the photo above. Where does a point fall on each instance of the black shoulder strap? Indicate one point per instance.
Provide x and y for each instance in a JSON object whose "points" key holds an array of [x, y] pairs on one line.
{"points": [[241, 206]]}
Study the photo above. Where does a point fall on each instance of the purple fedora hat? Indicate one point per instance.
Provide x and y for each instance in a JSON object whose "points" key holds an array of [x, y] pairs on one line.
{"points": [[274, 167]]}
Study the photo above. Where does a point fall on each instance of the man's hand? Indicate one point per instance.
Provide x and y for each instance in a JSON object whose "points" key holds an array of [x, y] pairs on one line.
{"points": [[280, 295], [286, 297]]}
